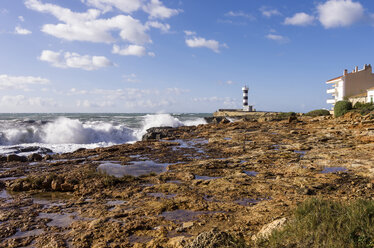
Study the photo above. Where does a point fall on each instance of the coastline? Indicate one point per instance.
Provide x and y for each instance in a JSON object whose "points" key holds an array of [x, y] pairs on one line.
{"points": [[232, 177]]}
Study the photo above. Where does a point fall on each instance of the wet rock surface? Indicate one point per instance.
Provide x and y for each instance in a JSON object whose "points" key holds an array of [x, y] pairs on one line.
{"points": [[206, 186]]}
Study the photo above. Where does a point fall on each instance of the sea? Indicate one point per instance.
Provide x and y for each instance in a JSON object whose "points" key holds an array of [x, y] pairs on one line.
{"points": [[23, 134]]}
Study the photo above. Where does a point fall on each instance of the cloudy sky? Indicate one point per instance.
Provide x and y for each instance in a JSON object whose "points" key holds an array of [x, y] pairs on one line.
{"points": [[177, 55]]}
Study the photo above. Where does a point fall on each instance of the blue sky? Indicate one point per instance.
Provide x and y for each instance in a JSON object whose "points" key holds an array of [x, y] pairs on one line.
{"points": [[177, 55]]}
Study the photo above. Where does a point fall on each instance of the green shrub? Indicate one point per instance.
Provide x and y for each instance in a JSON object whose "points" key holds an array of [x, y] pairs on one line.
{"points": [[363, 108], [342, 107], [326, 223], [318, 112]]}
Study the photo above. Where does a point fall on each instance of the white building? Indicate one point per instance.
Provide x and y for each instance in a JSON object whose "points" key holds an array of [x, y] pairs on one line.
{"points": [[354, 86]]}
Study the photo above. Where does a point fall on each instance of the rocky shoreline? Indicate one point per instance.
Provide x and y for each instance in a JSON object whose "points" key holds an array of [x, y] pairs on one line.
{"points": [[219, 184]]}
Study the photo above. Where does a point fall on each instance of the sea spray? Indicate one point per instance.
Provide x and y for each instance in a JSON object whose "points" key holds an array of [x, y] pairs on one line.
{"points": [[66, 133]]}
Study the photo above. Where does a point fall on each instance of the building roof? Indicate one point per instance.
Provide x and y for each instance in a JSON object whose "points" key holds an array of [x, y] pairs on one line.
{"points": [[372, 88], [334, 79], [359, 95]]}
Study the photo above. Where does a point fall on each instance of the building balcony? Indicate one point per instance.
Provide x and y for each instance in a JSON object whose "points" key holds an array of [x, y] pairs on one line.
{"points": [[330, 101], [331, 91]]}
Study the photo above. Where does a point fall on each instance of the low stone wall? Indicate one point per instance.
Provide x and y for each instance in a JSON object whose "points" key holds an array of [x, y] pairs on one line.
{"points": [[243, 114]]}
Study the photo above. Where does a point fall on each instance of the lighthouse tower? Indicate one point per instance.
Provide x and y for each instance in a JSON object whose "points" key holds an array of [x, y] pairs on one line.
{"points": [[245, 99]]}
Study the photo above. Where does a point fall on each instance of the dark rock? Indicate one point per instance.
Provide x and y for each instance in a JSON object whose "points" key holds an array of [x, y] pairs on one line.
{"points": [[156, 133], [3, 159], [2, 185], [292, 119], [35, 157], [48, 157], [56, 184], [81, 150], [16, 158], [67, 187]]}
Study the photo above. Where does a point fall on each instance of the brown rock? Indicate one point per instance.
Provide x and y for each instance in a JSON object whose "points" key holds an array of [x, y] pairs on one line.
{"points": [[269, 228], [56, 184], [67, 187], [35, 157]]}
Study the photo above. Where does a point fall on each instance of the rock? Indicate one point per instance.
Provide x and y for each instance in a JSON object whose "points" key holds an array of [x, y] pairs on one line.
{"points": [[267, 229], [157, 133], [3, 159], [216, 120], [177, 242], [67, 187], [56, 184], [292, 119], [16, 158], [48, 157], [35, 157], [214, 238], [186, 225]]}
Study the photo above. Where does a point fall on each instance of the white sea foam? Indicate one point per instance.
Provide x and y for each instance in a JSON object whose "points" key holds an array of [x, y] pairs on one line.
{"points": [[66, 135]]}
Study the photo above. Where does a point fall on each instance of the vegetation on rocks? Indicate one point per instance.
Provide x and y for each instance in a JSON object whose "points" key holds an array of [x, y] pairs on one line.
{"points": [[318, 112], [326, 223], [363, 108], [342, 107]]}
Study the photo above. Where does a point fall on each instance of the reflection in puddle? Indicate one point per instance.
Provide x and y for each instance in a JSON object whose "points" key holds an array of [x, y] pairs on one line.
{"points": [[135, 169], [162, 195], [191, 144], [227, 138], [59, 220], [5, 195], [115, 202], [174, 181], [251, 173], [183, 215], [205, 177], [11, 178], [302, 153], [139, 239], [333, 169], [26, 234]]}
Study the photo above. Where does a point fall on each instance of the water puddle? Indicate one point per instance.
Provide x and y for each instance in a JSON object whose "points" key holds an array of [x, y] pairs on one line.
{"points": [[162, 195], [174, 181], [302, 153], [251, 173], [20, 234], [115, 202], [205, 178], [59, 220], [227, 138], [191, 144], [139, 239], [137, 168], [11, 178], [248, 201], [275, 147], [183, 215], [5, 195], [333, 170]]}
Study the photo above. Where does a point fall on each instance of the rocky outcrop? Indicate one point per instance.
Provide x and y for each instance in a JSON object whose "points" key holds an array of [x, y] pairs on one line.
{"points": [[216, 120], [215, 238], [157, 133], [35, 157], [16, 158], [266, 230]]}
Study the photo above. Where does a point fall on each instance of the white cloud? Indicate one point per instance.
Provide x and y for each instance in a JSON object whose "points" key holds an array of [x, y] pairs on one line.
{"points": [[339, 13], [277, 37], [21, 100], [229, 82], [151, 54], [176, 91], [195, 42], [74, 91], [300, 19], [90, 104], [21, 31], [131, 78], [20, 82], [74, 60], [225, 101], [131, 50], [86, 27], [269, 12], [163, 27], [240, 14], [156, 9], [127, 6], [21, 18], [189, 33]]}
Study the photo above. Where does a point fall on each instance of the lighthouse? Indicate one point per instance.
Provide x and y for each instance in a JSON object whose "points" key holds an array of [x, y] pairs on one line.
{"points": [[245, 99]]}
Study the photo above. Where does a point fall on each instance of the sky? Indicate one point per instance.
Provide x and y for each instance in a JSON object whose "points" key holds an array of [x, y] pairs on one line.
{"points": [[177, 56]]}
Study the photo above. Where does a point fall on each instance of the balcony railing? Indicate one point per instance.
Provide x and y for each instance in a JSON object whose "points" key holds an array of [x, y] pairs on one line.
{"points": [[331, 101], [331, 91]]}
